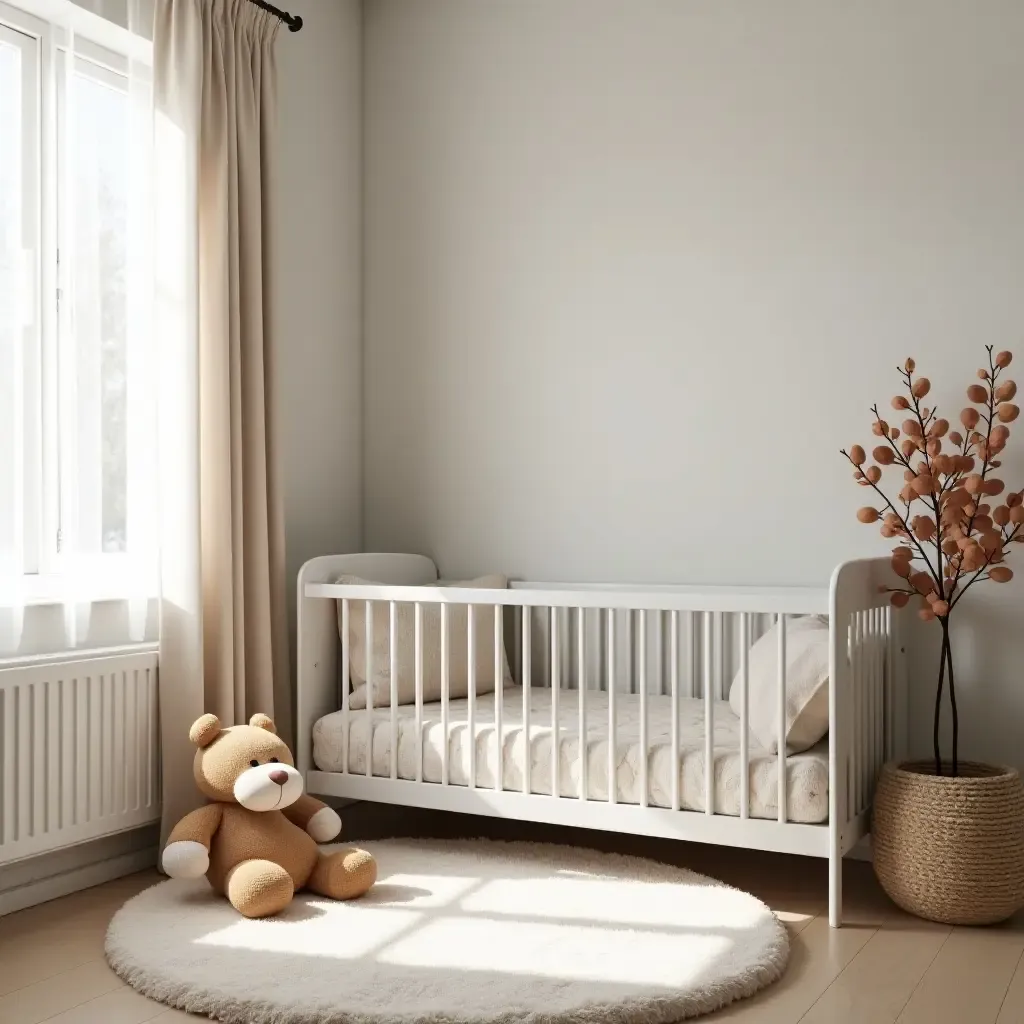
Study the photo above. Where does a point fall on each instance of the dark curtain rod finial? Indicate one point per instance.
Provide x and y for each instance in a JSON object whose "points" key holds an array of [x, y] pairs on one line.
{"points": [[293, 21]]}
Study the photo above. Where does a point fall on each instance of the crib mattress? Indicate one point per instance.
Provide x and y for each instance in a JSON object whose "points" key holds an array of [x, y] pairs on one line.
{"points": [[807, 772]]}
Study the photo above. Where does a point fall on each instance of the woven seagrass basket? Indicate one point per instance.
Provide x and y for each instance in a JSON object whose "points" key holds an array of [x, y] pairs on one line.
{"points": [[950, 849]]}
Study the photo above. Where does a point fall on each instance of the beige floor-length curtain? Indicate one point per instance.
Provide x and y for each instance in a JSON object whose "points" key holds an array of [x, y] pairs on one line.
{"points": [[223, 626]]}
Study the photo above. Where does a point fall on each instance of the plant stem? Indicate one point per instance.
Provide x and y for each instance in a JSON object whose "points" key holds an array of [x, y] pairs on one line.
{"points": [[952, 699], [938, 696]]}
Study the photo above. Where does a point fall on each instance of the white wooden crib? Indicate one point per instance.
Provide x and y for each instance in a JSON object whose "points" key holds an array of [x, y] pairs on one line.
{"points": [[593, 663]]}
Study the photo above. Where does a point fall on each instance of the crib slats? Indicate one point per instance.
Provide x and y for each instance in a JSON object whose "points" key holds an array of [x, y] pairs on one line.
{"points": [[556, 664], [612, 723], [499, 682], [674, 655], [890, 640], [418, 654], [782, 718], [471, 682], [393, 645], [369, 689], [581, 682], [709, 715], [858, 717], [345, 684], [445, 691], [744, 715], [642, 632], [527, 683]]}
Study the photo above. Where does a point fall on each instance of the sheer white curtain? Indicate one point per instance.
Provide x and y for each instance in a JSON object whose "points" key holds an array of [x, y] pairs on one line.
{"points": [[78, 512]]}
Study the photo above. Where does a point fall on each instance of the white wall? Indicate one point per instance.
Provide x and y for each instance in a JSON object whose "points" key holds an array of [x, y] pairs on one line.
{"points": [[634, 273], [317, 305]]}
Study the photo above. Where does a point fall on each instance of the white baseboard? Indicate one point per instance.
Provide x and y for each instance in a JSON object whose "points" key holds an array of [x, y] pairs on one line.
{"points": [[39, 879], [862, 851]]}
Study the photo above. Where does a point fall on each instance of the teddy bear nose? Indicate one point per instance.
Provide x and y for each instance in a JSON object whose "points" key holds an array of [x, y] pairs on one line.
{"points": [[279, 777]]}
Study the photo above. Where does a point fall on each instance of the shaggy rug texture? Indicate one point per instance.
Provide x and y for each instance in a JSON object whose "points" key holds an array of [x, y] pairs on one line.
{"points": [[465, 931]]}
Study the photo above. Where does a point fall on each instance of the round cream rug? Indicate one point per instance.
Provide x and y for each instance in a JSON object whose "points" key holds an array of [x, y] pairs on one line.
{"points": [[460, 931]]}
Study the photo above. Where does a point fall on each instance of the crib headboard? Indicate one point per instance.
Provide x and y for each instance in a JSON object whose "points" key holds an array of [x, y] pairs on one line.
{"points": [[317, 632]]}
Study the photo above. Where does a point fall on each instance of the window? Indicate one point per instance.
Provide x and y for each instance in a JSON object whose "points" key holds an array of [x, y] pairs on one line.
{"points": [[77, 425]]}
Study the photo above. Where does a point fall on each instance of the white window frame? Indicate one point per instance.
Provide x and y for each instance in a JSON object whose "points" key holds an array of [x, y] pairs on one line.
{"points": [[108, 50]]}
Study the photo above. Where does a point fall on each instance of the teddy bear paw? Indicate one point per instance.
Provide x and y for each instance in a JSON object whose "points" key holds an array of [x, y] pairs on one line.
{"points": [[324, 826], [186, 859]]}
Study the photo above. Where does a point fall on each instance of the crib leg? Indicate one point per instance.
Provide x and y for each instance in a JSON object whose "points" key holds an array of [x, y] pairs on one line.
{"points": [[835, 889]]}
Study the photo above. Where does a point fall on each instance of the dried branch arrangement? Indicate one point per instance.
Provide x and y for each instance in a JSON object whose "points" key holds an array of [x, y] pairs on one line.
{"points": [[949, 537]]}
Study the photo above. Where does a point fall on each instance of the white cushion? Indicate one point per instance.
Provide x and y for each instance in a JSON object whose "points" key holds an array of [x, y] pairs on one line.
{"points": [[807, 649], [458, 633]]}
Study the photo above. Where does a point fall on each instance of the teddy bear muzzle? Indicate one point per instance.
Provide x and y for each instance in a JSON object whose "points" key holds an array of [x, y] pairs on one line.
{"points": [[268, 787]]}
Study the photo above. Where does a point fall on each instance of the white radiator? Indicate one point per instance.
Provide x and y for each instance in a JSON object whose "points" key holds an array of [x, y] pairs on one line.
{"points": [[78, 748]]}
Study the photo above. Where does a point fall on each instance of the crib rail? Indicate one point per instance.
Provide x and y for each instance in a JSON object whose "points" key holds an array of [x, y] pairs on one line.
{"points": [[586, 660]]}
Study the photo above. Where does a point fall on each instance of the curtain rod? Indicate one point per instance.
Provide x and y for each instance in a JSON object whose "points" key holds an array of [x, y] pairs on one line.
{"points": [[293, 21]]}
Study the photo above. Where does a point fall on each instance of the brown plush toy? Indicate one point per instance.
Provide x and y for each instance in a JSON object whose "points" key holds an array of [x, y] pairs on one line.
{"points": [[257, 842]]}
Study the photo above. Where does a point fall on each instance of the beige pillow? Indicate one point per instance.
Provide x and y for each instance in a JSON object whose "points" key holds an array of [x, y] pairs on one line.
{"points": [[458, 661], [807, 649]]}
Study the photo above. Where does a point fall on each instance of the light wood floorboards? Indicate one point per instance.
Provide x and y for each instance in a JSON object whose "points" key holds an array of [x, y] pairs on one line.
{"points": [[883, 967]]}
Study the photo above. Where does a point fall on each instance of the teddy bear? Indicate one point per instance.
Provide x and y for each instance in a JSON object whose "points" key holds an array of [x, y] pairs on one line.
{"points": [[256, 842]]}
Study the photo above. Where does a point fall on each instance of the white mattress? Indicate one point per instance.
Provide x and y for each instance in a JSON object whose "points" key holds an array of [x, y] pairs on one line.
{"points": [[807, 773]]}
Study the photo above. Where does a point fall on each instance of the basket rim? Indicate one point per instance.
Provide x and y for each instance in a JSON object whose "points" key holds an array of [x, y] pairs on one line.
{"points": [[922, 770]]}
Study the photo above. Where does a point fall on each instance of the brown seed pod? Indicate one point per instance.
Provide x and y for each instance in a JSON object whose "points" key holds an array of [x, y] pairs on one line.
{"points": [[1017, 514], [999, 435], [993, 486], [922, 582], [956, 438], [924, 484], [933, 447], [873, 473], [911, 428], [883, 455], [938, 428], [949, 546], [974, 484], [903, 553], [1008, 412], [984, 509], [970, 508], [909, 475], [940, 608], [900, 567], [858, 475], [1013, 499], [908, 447], [894, 432], [857, 456], [1001, 516], [982, 373], [969, 417], [899, 599], [876, 429], [942, 464], [867, 514], [1006, 391], [921, 387], [910, 366], [899, 402], [924, 528], [982, 523], [1003, 360], [1000, 574], [976, 393], [907, 494], [887, 531]]}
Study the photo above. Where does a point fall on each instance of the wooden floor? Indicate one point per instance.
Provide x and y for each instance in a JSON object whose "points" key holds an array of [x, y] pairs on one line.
{"points": [[884, 966]]}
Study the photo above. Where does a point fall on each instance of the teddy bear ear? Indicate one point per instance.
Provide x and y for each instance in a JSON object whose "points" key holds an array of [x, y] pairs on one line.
{"points": [[204, 730], [262, 722]]}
